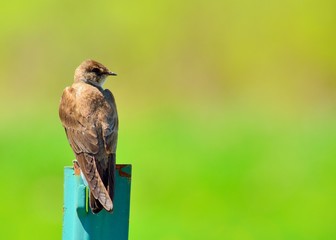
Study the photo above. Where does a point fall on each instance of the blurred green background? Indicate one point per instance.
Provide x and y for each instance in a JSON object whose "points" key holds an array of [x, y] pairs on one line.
{"points": [[227, 113]]}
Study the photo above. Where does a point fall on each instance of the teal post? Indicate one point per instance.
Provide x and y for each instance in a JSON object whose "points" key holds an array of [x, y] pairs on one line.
{"points": [[79, 223]]}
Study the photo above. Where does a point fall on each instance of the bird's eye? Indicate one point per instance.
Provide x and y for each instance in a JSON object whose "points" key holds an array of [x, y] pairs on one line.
{"points": [[96, 70]]}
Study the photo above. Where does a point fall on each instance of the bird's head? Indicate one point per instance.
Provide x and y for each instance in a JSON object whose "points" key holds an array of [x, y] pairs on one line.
{"points": [[92, 72]]}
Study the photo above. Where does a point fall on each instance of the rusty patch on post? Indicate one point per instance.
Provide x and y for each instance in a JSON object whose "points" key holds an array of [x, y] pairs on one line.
{"points": [[119, 168]]}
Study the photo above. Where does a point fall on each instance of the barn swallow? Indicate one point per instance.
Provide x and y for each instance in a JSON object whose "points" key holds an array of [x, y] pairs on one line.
{"points": [[89, 116]]}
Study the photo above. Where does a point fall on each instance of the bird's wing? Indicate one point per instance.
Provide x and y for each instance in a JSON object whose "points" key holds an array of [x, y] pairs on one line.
{"points": [[110, 135], [83, 135], [110, 123]]}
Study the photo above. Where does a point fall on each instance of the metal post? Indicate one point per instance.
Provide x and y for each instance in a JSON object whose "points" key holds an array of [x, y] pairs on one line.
{"points": [[79, 223]]}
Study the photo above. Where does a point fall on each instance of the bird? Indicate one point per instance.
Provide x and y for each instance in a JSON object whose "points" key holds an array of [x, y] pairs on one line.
{"points": [[89, 116]]}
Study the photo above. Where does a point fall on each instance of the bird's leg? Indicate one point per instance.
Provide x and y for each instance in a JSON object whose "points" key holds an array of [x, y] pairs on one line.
{"points": [[76, 167]]}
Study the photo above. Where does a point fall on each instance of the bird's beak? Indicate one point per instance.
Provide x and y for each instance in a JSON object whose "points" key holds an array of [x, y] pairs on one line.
{"points": [[111, 73]]}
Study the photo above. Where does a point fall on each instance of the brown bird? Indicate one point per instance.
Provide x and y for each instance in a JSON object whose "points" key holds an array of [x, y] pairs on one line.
{"points": [[89, 115]]}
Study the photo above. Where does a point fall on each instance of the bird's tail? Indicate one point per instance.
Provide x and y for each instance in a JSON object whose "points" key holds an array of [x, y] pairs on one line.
{"points": [[99, 196], [95, 205], [109, 180]]}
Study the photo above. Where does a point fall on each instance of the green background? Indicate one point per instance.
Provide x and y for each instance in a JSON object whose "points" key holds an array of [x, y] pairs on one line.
{"points": [[227, 112]]}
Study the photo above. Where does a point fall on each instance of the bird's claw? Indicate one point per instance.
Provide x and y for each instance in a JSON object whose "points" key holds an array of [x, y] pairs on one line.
{"points": [[76, 167]]}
